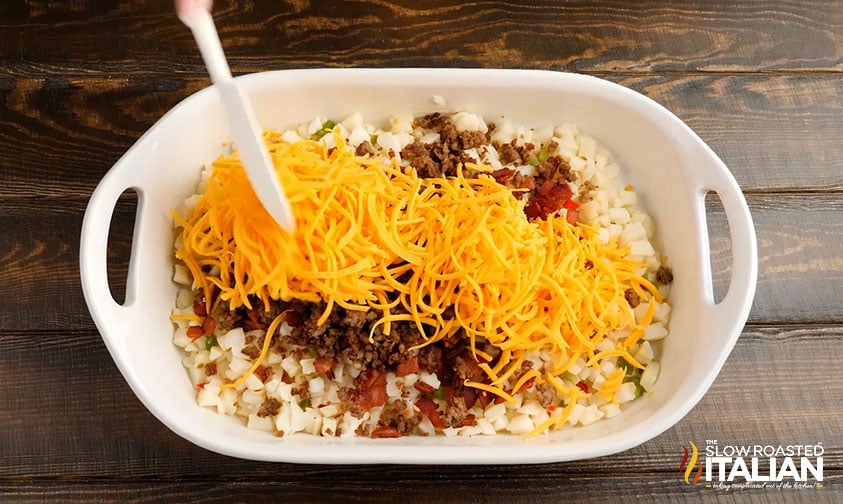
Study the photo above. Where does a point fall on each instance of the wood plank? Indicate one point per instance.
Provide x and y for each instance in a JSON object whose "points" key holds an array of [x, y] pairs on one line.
{"points": [[85, 37], [39, 256], [391, 485], [799, 238], [774, 132], [69, 412]]}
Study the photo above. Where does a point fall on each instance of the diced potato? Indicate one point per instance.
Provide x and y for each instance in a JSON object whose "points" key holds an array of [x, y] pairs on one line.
{"points": [[521, 424], [655, 331], [649, 376]]}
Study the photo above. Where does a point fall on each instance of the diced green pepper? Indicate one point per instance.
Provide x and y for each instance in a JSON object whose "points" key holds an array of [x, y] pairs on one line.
{"points": [[571, 377], [210, 342], [632, 375], [326, 128], [303, 404], [543, 154]]}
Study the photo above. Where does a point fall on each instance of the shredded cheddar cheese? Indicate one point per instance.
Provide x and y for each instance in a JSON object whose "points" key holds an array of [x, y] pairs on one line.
{"points": [[372, 235]]}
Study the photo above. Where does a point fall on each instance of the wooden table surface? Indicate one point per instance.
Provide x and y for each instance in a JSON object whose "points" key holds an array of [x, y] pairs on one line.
{"points": [[80, 80]]}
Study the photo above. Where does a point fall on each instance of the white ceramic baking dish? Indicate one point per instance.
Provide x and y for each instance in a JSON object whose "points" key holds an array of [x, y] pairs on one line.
{"points": [[670, 167]]}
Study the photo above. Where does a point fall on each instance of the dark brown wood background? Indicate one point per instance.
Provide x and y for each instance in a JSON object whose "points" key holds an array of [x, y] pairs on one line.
{"points": [[80, 80]]}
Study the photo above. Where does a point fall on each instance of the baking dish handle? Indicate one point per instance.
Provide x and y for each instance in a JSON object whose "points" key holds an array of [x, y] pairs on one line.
{"points": [[93, 249], [737, 302]]}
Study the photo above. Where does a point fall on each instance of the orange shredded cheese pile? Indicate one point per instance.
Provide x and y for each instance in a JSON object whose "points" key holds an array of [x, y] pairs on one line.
{"points": [[460, 243]]}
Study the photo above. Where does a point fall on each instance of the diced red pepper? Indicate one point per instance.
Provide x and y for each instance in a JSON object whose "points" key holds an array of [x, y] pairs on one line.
{"points": [[199, 309], [409, 366], [582, 386], [573, 217], [571, 204], [201, 385], [499, 399], [527, 384]]}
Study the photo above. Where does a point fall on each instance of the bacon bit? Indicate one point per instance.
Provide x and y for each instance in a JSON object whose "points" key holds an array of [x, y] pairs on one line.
{"points": [[469, 395], [448, 394], [573, 217], [260, 371], [254, 315], [450, 342], [293, 318], [533, 210], [528, 182], [468, 421], [208, 326], [550, 197], [424, 388], [430, 409], [527, 384], [582, 386], [194, 332], [199, 309], [372, 387], [484, 398], [409, 366], [252, 325], [386, 432], [323, 364], [503, 175]]}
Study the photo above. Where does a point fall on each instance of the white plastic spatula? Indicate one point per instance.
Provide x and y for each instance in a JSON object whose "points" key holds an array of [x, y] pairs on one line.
{"points": [[246, 133]]}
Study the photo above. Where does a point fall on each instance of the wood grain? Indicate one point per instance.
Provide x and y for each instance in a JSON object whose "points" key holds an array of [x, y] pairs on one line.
{"points": [[59, 136], [80, 81], [491, 486], [86, 37], [95, 426], [799, 237], [39, 255]]}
